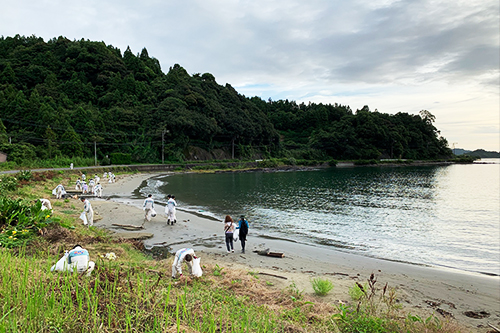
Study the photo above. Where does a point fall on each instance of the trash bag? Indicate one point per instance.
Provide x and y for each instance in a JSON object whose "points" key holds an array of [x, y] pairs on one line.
{"points": [[83, 216], [235, 235], [62, 264], [153, 212], [197, 267]]}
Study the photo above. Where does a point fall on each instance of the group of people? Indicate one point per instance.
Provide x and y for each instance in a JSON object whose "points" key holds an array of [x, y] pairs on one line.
{"points": [[229, 231], [170, 212], [78, 260], [229, 226], [94, 184]]}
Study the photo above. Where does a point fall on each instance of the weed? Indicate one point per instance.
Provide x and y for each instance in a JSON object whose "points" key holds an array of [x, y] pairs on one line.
{"points": [[295, 293], [321, 286], [356, 292], [218, 270]]}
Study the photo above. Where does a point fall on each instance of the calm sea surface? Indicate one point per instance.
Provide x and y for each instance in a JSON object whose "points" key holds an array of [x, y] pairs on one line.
{"points": [[434, 215]]}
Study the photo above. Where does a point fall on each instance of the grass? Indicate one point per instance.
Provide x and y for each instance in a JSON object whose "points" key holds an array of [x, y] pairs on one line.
{"points": [[321, 287], [135, 293]]}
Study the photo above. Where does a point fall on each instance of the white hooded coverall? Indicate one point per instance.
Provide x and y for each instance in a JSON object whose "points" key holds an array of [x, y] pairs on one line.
{"points": [[148, 206], [87, 208], [170, 210], [179, 258], [76, 259]]}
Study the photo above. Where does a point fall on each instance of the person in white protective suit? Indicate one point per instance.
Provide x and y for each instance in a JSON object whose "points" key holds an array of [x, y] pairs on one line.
{"points": [[91, 185], [84, 178], [170, 210], [98, 190], [59, 191], [88, 211], [78, 185], [75, 260], [182, 255], [46, 204], [96, 178], [148, 207]]}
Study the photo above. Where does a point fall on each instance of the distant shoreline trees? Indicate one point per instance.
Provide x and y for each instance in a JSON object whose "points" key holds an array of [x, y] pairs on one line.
{"points": [[80, 98]]}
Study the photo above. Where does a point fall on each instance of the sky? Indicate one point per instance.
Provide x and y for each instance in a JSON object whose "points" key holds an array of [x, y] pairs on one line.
{"points": [[394, 56]]}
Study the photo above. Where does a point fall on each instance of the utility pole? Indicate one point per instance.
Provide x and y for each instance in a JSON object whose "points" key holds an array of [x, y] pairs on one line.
{"points": [[163, 132], [95, 154], [454, 143]]}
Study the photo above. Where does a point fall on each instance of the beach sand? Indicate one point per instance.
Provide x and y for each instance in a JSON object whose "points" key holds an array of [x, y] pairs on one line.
{"points": [[445, 293]]}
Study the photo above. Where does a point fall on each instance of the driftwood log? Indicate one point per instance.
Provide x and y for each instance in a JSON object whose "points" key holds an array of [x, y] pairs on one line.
{"points": [[128, 226], [268, 253], [276, 254], [277, 276]]}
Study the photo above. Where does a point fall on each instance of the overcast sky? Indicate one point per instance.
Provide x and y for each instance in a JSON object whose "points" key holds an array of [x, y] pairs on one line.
{"points": [[394, 56]]}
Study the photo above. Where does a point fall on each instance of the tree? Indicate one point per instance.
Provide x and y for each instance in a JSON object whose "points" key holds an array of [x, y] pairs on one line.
{"points": [[50, 140], [71, 145], [3, 133]]}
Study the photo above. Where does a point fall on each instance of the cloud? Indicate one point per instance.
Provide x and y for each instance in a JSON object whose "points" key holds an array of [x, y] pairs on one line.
{"points": [[404, 55]]}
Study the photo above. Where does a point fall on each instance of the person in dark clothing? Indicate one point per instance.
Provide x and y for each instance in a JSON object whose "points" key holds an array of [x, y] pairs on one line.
{"points": [[243, 227]]}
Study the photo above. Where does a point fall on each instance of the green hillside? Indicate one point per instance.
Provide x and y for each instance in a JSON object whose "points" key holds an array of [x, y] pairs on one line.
{"points": [[64, 98]]}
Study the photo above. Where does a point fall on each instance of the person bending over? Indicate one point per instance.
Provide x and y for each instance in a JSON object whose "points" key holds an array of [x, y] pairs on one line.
{"points": [[185, 254]]}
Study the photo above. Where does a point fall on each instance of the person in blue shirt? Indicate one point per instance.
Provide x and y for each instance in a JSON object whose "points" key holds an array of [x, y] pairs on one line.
{"points": [[243, 227]]}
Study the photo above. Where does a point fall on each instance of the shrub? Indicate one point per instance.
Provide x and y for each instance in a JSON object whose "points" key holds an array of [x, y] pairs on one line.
{"points": [[120, 158], [321, 286], [8, 183], [26, 175], [270, 163], [20, 221]]}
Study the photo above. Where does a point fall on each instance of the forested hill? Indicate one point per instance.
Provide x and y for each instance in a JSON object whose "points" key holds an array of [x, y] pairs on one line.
{"points": [[63, 98]]}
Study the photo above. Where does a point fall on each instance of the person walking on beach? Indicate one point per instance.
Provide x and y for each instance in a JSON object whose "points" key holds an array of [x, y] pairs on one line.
{"points": [[98, 190], [89, 212], [185, 254], [229, 232], [170, 209], [148, 207], [243, 227]]}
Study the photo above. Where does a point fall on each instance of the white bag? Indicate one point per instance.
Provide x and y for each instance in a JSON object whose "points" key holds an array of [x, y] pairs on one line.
{"points": [[197, 267], [153, 212], [236, 234], [62, 264], [83, 216]]}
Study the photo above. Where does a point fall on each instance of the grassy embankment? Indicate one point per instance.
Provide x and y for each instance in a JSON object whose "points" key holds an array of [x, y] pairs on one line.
{"points": [[135, 292]]}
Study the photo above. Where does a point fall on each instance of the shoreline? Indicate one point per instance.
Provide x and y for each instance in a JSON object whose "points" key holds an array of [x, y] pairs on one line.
{"points": [[445, 292]]}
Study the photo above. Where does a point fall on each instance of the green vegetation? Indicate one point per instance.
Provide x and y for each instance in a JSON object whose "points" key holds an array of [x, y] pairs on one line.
{"points": [[321, 286], [481, 153], [63, 101]]}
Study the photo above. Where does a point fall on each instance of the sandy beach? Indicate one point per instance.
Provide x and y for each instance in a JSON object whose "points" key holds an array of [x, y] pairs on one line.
{"points": [[446, 293]]}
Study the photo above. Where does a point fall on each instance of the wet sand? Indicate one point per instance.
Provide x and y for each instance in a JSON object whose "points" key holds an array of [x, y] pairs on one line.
{"points": [[446, 293]]}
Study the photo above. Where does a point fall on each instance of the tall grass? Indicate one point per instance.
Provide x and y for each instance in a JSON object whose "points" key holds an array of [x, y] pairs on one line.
{"points": [[123, 299]]}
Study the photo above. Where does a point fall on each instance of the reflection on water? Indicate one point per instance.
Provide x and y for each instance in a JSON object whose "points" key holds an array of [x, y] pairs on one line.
{"points": [[446, 215]]}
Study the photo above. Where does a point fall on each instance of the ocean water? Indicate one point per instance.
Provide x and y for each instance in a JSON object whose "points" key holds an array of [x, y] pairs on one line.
{"points": [[430, 215]]}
